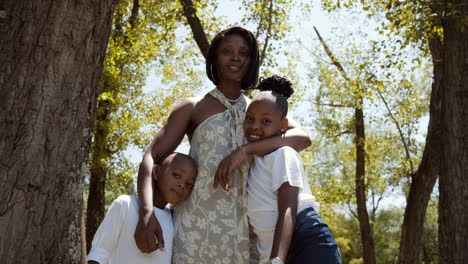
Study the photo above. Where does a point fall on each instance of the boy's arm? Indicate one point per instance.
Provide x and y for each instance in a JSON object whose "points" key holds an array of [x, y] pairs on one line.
{"points": [[165, 141], [287, 211], [107, 235], [295, 137]]}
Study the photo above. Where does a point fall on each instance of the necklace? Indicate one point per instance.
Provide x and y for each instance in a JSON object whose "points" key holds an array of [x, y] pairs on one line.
{"points": [[234, 100]]}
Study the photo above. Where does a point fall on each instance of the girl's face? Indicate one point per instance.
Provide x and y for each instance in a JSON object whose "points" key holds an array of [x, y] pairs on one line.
{"points": [[263, 120], [232, 58]]}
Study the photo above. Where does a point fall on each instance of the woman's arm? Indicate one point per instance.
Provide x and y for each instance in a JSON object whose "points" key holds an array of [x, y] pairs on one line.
{"points": [[165, 141], [287, 211]]}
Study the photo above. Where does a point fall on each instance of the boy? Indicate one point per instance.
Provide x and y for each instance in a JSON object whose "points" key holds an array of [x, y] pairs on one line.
{"points": [[113, 243]]}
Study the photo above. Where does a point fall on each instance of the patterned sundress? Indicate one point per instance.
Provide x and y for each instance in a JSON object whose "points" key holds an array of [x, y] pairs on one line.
{"points": [[211, 226]]}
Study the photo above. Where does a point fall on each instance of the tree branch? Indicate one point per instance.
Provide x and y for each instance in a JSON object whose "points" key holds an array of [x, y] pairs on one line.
{"points": [[330, 54], [196, 26], [342, 133], [352, 212], [334, 105], [270, 14], [135, 9], [408, 157]]}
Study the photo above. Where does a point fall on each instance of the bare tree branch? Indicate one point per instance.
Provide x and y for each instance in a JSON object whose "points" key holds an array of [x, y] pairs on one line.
{"points": [[330, 54], [270, 14], [408, 157], [196, 26], [342, 133], [352, 212], [334, 105]]}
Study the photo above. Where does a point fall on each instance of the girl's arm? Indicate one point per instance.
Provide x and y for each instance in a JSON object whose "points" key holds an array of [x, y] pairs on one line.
{"points": [[287, 211], [166, 141], [295, 137]]}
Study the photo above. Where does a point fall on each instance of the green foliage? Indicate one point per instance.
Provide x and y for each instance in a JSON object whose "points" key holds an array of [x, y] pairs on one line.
{"points": [[393, 81], [414, 21], [138, 37], [271, 20], [345, 229], [386, 228]]}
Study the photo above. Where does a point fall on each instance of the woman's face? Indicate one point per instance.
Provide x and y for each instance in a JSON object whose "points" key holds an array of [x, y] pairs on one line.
{"points": [[233, 58]]}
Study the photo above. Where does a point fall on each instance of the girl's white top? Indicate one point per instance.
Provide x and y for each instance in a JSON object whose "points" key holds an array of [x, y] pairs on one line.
{"points": [[114, 243], [266, 176]]}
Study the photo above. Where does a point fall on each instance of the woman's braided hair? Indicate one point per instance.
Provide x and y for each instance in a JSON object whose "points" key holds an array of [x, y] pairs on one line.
{"points": [[275, 88]]}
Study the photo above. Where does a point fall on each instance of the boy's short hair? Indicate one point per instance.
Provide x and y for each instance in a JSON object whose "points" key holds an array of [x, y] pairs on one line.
{"points": [[179, 155]]}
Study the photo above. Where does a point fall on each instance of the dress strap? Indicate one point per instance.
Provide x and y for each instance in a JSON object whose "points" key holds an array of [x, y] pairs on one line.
{"points": [[237, 113]]}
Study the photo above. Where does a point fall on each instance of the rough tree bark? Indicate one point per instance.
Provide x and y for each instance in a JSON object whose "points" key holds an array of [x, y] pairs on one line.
{"points": [[51, 55], [453, 180]]}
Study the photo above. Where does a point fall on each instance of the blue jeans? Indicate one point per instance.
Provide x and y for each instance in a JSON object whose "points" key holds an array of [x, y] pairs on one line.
{"points": [[312, 241]]}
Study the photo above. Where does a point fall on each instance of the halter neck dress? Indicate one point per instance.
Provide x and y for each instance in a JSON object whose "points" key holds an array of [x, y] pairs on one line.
{"points": [[211, 226]]}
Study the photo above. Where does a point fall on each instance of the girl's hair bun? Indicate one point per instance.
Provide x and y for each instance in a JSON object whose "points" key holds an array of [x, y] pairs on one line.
{"points": [[276, 84]]}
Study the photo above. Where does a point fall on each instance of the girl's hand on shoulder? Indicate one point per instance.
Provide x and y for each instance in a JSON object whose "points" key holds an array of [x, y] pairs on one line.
{"points": [[233, 161]]}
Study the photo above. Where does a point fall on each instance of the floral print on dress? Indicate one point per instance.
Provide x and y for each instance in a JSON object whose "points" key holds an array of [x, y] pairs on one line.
{"points": [[211, 226]]}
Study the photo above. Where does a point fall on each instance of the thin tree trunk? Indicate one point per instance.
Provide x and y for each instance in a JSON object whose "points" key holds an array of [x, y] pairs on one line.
{"points": [[363, 217], [100, 152], [51, 56], [196, 26], [423, 180], [98, 170], [453, 181], [368, 250], [265, 46]]}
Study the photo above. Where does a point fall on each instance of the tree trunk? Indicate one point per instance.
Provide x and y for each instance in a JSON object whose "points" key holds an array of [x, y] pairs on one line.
{"points": [[100, 151], [423, 180], [97, 180], [453, 181], [51, 55], [196, 26], [363, 217]]}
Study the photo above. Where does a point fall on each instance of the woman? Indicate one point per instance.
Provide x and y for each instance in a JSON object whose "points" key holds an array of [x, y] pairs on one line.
{"points": [[211, 226]]}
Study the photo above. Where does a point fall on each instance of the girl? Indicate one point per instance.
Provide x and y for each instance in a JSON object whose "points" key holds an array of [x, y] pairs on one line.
{"points": [[210, 226], [280, 205]]}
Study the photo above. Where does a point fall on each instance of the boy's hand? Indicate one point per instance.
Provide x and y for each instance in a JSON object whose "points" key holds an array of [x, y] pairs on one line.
{"points": [[148, 234], [223, 176]]}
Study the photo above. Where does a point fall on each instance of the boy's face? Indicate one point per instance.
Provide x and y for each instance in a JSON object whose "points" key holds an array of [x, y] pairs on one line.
{"points": [[176, 178], [263, 120]]}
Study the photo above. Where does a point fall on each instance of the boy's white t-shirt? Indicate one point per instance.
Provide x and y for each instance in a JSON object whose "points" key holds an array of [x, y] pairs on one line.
{"points": [[114, 243], [266, 176]]}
